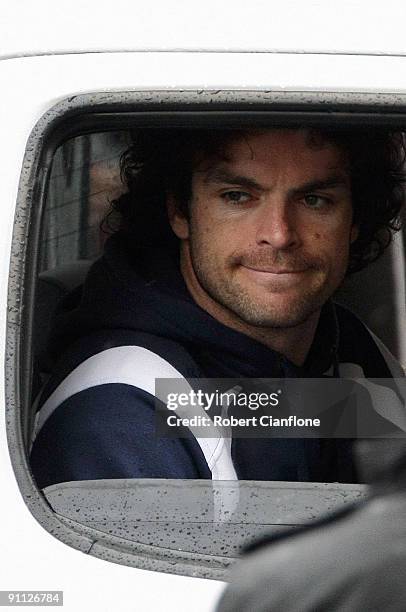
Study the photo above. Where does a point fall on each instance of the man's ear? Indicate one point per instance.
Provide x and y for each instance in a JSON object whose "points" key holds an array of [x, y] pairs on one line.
{"points": [[177, 220], [354, 233]]}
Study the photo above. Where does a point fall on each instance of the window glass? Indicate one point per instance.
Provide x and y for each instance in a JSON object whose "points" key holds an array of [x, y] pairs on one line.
{"points": [[85, 178], [196, 515]]}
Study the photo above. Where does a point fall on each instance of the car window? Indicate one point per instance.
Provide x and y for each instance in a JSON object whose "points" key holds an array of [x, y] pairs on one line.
{"points": [[85, 177], [187, 525]]}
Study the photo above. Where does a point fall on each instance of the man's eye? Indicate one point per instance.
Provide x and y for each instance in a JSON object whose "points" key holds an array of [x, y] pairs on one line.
{"points": [[239, 197], [316, 201]]}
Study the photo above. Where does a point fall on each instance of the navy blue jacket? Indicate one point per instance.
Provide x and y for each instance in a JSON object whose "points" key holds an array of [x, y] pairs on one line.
{"points": [[138, 297]]}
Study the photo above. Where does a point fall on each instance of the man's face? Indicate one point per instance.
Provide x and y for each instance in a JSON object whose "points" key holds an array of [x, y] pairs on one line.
{"points": [[269, 228]]}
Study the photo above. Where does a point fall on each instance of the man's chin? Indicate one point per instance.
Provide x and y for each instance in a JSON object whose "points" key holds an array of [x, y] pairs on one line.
{"points": [[276, 321], [286, 314]]}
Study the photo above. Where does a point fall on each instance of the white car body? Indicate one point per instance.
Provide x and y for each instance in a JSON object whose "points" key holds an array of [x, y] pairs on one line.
{"points": [[53, 50]]}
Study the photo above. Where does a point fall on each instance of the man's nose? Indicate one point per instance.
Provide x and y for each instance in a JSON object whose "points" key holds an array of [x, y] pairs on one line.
{"points": [[277, 225]]}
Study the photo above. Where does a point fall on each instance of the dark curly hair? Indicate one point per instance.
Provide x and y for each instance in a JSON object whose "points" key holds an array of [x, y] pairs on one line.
{"points": [[162, 161]]}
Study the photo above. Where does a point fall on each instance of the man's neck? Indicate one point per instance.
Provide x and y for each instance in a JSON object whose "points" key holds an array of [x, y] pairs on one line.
{"points": [[292, 342]]}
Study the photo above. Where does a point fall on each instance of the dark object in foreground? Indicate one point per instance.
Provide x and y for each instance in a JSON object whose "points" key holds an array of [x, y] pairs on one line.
{"points": [[353, 561]]}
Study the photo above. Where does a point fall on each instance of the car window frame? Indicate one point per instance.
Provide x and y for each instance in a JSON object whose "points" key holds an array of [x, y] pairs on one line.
{"points": [[102, 111]]}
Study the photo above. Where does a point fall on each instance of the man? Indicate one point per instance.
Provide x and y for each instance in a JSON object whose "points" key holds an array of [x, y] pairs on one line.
{"points": [[267, 224]]}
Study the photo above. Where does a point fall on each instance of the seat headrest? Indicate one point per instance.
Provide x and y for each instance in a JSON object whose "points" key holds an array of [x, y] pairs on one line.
{"points": [[52, 286]]}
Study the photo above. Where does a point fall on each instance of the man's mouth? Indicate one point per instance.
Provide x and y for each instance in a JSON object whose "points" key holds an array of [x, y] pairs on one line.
{"points": [[275, 278], [275, 271]]}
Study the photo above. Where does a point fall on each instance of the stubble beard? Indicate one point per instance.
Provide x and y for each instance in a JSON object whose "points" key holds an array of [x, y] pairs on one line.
{"points": [[271, 311]]}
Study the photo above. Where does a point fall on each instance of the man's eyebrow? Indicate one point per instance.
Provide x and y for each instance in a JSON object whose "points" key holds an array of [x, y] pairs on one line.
{"points": [[219, 175], [330, 182]]}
